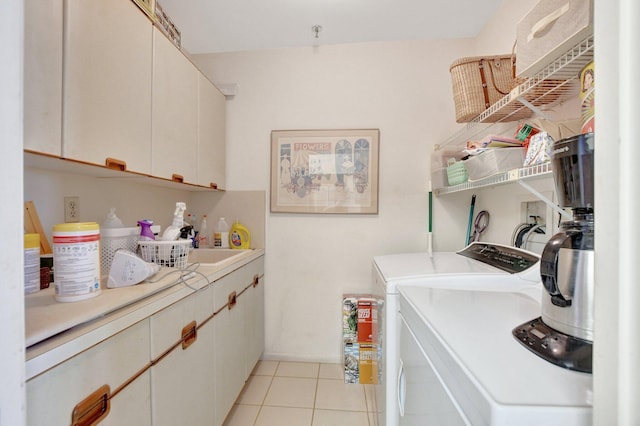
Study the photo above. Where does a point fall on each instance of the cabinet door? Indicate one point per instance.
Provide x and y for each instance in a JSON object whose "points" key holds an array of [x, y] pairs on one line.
{"points": [[254, 316], [107, 94], [182, 381], [43, 76], [211, 134], [52, 396], [174, 112], [229, 348]]}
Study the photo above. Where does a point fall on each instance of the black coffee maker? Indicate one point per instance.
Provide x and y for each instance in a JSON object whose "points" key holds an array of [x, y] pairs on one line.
{"points": [[563, 334]]}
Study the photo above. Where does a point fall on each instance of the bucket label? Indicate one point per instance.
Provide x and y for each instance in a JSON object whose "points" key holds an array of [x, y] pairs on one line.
{"points": [[76, 261]]}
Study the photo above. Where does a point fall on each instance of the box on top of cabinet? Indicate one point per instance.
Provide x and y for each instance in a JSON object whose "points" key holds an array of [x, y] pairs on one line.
{"points": [[550, 29]]}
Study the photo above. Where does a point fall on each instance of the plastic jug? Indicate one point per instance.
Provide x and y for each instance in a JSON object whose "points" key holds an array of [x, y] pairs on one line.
{"points": [[221, 234], [239, 237]]}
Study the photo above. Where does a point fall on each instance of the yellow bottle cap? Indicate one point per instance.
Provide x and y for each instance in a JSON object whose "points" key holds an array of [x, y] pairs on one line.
{"points": [[31, 240]]}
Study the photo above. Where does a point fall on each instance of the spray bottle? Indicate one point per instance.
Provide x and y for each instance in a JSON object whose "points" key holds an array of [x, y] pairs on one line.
{"points": [[173, 231], [146, 234]]}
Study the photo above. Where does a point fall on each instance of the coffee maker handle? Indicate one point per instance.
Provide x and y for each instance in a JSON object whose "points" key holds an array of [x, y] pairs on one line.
{"points": [[549, 265]]}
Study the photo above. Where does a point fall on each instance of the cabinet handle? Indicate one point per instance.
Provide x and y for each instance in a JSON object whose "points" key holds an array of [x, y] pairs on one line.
{"points": [[189, 334], [91, 410], [233, 299], [115, 164], [177, 178], [256, 280]]}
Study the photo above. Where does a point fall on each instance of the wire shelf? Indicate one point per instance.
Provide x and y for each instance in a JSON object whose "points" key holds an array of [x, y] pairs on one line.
{"points": [[526, 173], [554, 84]]}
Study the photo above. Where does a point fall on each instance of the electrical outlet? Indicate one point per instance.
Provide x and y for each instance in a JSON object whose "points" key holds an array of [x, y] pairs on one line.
{"points": [[72, 209], [534, 212]]}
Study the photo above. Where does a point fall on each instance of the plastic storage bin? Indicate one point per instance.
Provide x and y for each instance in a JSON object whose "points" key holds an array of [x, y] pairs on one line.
{"points": [[550, 29], [457, 172], [494, 161], [440, 160]]}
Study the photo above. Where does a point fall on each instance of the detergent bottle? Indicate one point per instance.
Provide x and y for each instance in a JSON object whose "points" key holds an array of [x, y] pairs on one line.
{"points": [[239, 236]]}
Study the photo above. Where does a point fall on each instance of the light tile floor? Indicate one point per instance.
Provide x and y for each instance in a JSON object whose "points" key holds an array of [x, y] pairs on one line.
{"points": [[302, 394]]}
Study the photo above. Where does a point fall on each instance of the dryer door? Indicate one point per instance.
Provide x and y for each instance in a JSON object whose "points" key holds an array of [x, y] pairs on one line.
{"points": [[422, 398]]}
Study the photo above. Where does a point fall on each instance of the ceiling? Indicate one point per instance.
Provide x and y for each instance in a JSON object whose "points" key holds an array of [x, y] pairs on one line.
{"points": [[235, 25]]}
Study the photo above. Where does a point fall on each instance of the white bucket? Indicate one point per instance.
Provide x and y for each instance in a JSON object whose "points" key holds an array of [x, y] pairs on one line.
{"points": [[112, 240], [31, 263], [76, 260]]}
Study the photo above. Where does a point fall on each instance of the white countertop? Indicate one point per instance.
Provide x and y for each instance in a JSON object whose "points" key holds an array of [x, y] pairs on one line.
{"points": [[51, 326]]}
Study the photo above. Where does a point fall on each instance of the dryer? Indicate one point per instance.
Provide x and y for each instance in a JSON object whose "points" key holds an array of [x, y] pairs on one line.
{"points": [[460, 365], [481, 266]]}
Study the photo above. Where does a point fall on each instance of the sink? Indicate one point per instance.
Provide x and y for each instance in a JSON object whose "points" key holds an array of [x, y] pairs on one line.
{"points": [[215, 256]]}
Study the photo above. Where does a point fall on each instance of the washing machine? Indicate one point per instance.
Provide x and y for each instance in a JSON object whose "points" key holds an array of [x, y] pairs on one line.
{"points": [[490, 267], [459, 363]]}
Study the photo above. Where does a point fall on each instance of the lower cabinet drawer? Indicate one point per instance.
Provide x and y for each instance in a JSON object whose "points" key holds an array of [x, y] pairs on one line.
{"points": [[54, 396]]}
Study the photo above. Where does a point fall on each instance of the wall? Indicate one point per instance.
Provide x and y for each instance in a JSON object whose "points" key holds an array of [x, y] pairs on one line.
{"points": [[401, 88], [135, 201], [12, 390], [617, 236]]}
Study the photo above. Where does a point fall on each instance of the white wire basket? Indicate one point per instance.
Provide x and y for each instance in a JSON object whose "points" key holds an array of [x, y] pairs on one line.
{"points": [[172, 254]]}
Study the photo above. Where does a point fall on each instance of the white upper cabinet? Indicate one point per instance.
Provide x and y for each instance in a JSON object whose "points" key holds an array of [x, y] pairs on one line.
{"points": [[103, 86], [43, 76], [211, 134], [107, 84], [174, 112]]}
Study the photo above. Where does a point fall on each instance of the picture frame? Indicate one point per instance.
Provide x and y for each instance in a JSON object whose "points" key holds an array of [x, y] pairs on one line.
{"points": [[325, 171]]}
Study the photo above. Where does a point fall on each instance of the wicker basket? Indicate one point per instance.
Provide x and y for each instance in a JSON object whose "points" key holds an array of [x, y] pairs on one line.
{"points": [[480, 81]]}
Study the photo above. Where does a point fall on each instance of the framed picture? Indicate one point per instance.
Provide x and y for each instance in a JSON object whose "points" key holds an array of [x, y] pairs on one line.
{"points": [[324, 171]]}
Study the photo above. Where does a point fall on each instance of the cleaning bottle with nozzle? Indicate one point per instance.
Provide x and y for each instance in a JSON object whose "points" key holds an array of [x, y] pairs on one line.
{"points": [[146, 234], [173, 231]]}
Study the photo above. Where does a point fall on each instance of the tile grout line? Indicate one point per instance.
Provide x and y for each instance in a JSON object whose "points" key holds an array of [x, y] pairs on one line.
{"points": [[264, 398], [315, 396]]}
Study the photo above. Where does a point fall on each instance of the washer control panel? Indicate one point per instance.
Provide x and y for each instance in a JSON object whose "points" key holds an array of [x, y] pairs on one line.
{"points": [[509, 259]]}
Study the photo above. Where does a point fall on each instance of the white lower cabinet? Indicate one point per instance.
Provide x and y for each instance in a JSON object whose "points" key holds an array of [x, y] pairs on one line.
{"points": [[53, 395], [254, 322], [182, 381], [233, 356], [183, 365]]}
